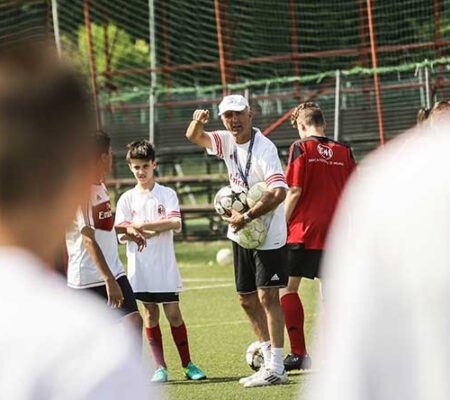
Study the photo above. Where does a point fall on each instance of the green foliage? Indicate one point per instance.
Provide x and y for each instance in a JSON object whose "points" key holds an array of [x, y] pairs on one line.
{"points": [[124, 52]]}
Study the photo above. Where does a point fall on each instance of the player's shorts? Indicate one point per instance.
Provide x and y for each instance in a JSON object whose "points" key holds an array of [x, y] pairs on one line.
{"points": [[129, 305], [304, 262], [259, 269], [158, 298]]}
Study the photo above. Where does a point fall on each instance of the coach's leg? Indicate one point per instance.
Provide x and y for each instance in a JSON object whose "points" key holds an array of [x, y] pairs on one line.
{"points": [[269, 298], [153, 333], [256, 314]]}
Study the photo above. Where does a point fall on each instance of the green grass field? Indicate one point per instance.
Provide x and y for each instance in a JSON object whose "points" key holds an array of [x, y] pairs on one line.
{"points": [[219, 332]]}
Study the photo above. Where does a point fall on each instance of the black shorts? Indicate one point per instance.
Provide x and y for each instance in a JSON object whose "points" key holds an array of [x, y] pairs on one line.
{"points": [[159, 298], [258, 269], [304, 262], [129, 305]]}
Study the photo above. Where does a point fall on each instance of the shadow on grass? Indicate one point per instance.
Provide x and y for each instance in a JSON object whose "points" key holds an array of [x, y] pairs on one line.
{"points": [[221, 379]]}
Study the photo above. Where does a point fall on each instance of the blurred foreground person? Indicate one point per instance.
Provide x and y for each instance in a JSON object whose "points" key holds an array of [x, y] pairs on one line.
{"points": [[53, 344], [388, 275]]}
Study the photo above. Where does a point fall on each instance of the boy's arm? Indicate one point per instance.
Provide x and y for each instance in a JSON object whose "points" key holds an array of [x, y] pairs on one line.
{"points": [[161, 225], [292, 198], [131, 233], [115, 295]]}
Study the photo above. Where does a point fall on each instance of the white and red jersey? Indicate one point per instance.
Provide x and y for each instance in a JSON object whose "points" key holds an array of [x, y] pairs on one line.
{"points": [[265, 167], [96, 214], [155, 269]]}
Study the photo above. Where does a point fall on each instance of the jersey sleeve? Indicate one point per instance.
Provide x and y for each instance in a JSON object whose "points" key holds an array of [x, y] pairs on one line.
{"points": [[84, 217], [220, 144], [123, 212], [295, 171], [273, 172], [173, 207]]}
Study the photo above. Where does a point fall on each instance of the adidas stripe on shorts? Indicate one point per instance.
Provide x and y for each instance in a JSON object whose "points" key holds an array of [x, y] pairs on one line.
{"points": [[255, 269]]}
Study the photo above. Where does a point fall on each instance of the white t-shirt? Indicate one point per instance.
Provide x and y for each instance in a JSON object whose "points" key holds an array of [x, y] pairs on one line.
{"points": [[57, 344], [96, 214], [155, 269], [387, 277], [265, 167]]}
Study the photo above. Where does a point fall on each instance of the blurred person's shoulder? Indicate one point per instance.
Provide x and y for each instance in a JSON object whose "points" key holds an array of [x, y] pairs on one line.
{"points": [[59, 343]]}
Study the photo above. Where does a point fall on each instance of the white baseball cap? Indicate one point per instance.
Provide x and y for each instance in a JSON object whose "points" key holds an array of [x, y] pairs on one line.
{"points": [[234, 102]]}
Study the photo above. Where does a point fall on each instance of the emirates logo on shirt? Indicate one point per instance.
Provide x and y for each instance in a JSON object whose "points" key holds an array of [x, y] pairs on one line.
{"points": [[325, 151]]}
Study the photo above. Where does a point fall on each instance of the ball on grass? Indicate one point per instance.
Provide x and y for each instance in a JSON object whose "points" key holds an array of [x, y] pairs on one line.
{"points": [[224, 257]]}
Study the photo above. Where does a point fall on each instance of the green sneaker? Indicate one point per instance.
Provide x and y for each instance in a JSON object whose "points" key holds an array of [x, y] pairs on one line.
{"points": [[160, 376], [194, 373]]}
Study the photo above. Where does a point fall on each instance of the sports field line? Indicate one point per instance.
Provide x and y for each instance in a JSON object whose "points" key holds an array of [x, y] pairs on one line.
{"points": [[207, 280], [203, 287], [238, 322]]}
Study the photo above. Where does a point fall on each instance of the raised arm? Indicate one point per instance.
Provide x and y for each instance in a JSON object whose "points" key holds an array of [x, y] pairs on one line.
{"points": [[196, 129]]}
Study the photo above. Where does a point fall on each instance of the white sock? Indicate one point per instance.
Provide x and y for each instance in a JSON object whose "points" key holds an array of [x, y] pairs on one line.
{"points": [[276, 361], [265, 348]]}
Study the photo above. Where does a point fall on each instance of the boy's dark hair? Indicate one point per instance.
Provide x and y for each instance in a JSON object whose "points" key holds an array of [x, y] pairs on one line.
{"points": [[310, 114], [140, 150], [45, 123], [102, 143]]}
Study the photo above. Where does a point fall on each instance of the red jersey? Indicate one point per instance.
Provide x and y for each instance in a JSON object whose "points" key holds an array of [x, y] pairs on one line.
{"points": [[321, 167]]}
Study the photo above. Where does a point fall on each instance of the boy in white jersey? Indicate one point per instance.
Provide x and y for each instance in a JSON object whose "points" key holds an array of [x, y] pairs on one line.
{"points": [[67, 347], [93, 256], [153, 273], [251, 158]]}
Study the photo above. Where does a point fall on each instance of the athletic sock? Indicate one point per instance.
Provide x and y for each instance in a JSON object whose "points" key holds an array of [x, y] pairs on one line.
{"points": [[276, 362], [265, 348], [294, 317], [154, 338], [180, 338]]}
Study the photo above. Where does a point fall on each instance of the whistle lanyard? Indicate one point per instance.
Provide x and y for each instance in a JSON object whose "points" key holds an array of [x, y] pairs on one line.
{"points": [[244, 176]]}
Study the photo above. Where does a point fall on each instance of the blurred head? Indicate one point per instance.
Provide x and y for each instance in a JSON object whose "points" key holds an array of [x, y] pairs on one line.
{"points": [[236, 115], [45, 125], [141, 160], [308, 119], [423, 114], [102, 153], [440, 112]]}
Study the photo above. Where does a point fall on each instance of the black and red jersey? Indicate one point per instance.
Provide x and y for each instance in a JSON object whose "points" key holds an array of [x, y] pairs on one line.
{"points": [[321, 167]]}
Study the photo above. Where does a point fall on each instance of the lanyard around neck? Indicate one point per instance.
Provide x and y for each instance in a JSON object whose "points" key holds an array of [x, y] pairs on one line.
{"points": [[244, 176]]}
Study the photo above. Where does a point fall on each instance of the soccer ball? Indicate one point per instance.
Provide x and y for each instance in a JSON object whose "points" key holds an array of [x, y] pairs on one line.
{"points": [[227, 199], [224, 257], [254, 356], [252, 235], [255, 193]]}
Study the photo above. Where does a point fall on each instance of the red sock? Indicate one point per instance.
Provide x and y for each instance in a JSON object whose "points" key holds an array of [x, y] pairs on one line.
{"points": [[156, 345], [294, 317], [180, 338]]}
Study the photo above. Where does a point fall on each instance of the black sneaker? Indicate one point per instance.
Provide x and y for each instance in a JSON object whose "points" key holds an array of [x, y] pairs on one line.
{"points": [[294, 361]]}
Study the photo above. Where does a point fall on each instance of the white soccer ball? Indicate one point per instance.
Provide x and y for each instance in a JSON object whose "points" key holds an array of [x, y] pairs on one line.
{"points": [[252, 235], [254, 356], [227, 199], [224, 257], [255, 193]]}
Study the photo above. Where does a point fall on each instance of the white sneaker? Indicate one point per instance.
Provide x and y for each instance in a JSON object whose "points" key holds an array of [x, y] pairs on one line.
{"points": [[267, 377], [246, 379]]}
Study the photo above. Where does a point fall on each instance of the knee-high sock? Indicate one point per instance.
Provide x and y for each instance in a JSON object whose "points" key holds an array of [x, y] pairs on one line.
{"points": [[154, 338], [294, 317], [180, 338]]}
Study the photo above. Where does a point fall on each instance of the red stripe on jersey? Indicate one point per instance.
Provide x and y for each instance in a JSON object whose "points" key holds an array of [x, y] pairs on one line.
{"points": [[218, 145], [275, 178]]}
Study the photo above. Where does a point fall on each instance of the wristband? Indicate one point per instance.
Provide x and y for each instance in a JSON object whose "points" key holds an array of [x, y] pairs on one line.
{"points": [[247, 218]]}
